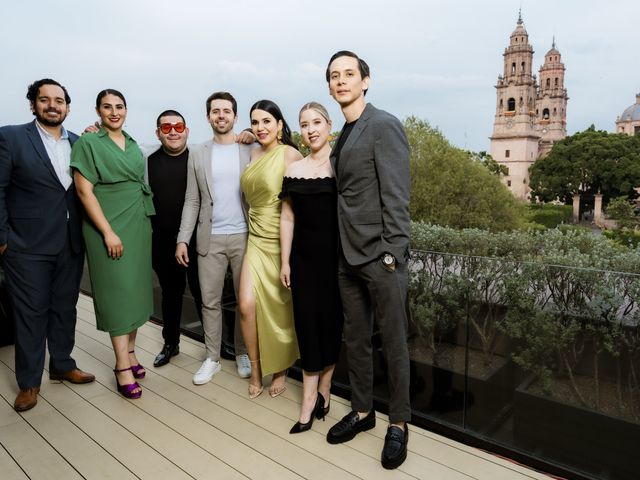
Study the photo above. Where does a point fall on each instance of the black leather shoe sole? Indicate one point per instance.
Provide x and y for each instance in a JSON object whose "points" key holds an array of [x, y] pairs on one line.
{"points": [[393, 463], [367, 423]]}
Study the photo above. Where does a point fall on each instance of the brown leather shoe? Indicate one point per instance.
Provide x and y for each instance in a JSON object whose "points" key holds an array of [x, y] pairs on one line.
{"points": [[74, 376], [26, 399]]}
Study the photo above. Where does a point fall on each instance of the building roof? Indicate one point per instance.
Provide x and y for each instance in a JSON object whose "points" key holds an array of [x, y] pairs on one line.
{"points": [[632, 113]]}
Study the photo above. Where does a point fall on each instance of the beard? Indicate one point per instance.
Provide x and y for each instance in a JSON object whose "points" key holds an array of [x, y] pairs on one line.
{"points": [[50, 123]]}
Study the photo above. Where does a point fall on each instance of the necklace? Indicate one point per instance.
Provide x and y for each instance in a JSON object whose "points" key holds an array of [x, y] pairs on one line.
{"points": [[316, 163]]}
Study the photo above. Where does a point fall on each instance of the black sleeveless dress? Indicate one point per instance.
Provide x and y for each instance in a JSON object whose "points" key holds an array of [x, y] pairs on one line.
{"points": [[317, 309]]}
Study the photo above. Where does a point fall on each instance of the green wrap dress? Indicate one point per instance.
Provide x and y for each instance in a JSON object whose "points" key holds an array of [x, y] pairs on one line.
{"points": [[122, 289]]}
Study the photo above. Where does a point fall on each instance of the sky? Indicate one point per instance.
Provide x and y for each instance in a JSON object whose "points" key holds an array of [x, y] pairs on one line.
{"points": [[436, 60]]}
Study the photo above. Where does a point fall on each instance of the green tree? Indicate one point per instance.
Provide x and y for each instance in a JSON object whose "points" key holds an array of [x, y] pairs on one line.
{"points": [[486, 160], [588, 162], [449, 188], [621, 210]]}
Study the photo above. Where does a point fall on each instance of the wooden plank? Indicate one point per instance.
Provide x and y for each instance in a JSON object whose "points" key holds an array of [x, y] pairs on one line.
{"points": [[9, 468], [22, 443]]}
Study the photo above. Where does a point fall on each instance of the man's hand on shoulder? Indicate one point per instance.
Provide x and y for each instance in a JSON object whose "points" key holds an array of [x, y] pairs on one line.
{"points": [[246, 136], [92, 128]]}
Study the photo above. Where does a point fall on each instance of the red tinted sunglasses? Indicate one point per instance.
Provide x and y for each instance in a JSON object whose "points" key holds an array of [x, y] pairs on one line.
{"points": [[166, 127]]}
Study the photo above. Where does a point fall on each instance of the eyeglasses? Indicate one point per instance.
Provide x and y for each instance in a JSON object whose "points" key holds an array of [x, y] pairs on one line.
{"points": [[166, 127]]}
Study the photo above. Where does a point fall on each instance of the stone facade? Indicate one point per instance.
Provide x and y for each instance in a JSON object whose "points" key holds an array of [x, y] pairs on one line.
{"points": [[530, 117], [629, 121]]}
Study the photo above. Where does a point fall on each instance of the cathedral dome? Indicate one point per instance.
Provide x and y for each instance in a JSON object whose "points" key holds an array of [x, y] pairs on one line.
{"points": [[553, 51], [633, 112]]}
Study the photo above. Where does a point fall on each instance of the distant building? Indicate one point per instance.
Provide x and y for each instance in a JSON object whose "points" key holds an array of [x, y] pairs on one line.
{"points": [[530, 117], [629, 121]]}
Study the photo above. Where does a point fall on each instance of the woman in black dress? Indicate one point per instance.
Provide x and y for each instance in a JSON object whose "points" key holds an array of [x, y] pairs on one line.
{"points": [[309, 250]]}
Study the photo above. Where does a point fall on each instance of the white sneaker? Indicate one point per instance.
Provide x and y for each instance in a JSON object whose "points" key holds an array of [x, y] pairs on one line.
{"points": [[244, 366], [206, 372]]}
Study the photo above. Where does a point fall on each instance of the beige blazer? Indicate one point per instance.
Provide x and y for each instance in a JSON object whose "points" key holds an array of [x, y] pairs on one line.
{"points": [[198, 199]]}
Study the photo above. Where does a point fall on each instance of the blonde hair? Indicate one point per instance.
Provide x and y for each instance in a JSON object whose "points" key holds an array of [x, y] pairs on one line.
{"points": [[318, 108]]}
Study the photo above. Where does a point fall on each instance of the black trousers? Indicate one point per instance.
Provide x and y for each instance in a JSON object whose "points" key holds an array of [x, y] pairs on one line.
{"points": [[43, 290], [173, 279], [371, 293]]}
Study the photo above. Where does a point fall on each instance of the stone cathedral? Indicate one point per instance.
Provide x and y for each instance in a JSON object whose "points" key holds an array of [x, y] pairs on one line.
{"points": [[530, 116]]}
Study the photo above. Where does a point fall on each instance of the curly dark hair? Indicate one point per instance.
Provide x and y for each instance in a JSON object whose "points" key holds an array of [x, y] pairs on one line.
{"points": [[34, 89]]}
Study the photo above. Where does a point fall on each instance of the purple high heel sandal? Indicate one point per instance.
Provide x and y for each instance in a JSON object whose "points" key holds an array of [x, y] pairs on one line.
{"points": [[127, 390], [136, 369]]}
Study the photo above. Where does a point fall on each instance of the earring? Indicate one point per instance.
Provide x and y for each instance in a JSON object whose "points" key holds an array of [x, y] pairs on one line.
{"points": [[279, 135], [330, 138], [302, 144]]}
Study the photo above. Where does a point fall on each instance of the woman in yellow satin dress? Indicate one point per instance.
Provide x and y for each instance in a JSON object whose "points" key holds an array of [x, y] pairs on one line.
{"points": [[265, 304]]}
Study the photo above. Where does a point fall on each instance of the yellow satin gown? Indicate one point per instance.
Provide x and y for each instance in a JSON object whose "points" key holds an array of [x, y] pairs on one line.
{"points": [[261, 184]]}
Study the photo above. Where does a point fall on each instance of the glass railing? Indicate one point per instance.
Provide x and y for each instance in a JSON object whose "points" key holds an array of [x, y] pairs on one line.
{"points": [[541, 358]]}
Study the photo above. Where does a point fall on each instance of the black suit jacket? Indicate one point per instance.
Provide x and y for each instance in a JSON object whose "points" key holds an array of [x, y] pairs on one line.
{"points": [[373, 189], [33, 202]]}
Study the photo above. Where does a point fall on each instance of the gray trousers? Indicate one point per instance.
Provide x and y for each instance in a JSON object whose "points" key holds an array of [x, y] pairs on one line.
{"points": [[371, 293], [224, 250]]}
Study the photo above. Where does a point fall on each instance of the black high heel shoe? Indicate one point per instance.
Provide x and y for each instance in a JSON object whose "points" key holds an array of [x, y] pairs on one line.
{"points": [[317, 412], [324, 411]]}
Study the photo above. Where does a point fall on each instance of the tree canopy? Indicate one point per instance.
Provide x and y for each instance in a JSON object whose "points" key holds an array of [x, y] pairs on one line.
{"points": [[588, 162], [451, 187]]}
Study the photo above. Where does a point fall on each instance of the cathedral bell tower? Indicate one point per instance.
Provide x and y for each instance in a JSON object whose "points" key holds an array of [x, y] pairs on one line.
{"points": [[551, 107], [514, 142]]}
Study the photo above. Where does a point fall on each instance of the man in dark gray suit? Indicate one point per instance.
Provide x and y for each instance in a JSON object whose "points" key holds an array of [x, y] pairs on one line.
{"points": [[371, 165], [41, 241]]}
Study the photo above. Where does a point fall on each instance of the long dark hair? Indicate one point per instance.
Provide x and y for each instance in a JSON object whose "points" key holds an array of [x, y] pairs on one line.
{"points": [[273, 109]]}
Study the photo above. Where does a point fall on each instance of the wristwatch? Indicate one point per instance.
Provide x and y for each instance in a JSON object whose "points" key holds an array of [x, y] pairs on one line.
{"points": [[388, 259]]}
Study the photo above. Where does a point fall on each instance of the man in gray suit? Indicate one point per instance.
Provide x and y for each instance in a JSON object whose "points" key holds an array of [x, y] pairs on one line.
{"points": [[371, 165], [214, 201], [41, 240]]}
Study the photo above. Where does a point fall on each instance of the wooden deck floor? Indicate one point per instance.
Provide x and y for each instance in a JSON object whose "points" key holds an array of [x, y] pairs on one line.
{"points": [[178, 430]]}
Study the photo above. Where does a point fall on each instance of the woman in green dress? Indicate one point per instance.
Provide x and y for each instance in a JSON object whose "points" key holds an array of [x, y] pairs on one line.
{"points": [[109, 177], [265, 304]]}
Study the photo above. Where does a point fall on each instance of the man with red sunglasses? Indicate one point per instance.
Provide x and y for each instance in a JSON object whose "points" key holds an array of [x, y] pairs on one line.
{"points": [[214, 202], [167, 176]]}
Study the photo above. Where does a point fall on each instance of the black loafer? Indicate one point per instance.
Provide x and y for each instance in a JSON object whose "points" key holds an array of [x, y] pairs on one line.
{"points": [[165, 355], [350, 426], [394, 451]]}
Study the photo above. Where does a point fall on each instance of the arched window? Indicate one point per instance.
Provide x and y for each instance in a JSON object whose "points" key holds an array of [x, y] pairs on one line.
{"points": [[513, 68], [521, 102], [548, 83], [500, 104], [555, 112], [522, 67], [511, 104], [556, 81], [545, 114]]}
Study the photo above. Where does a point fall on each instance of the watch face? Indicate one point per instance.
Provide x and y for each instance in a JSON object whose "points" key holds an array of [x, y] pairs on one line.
{"points": [[509, 123]]}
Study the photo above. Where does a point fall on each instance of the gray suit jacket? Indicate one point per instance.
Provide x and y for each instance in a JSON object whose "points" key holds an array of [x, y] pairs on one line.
{"points": [[373, 182], [198, 200]]}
